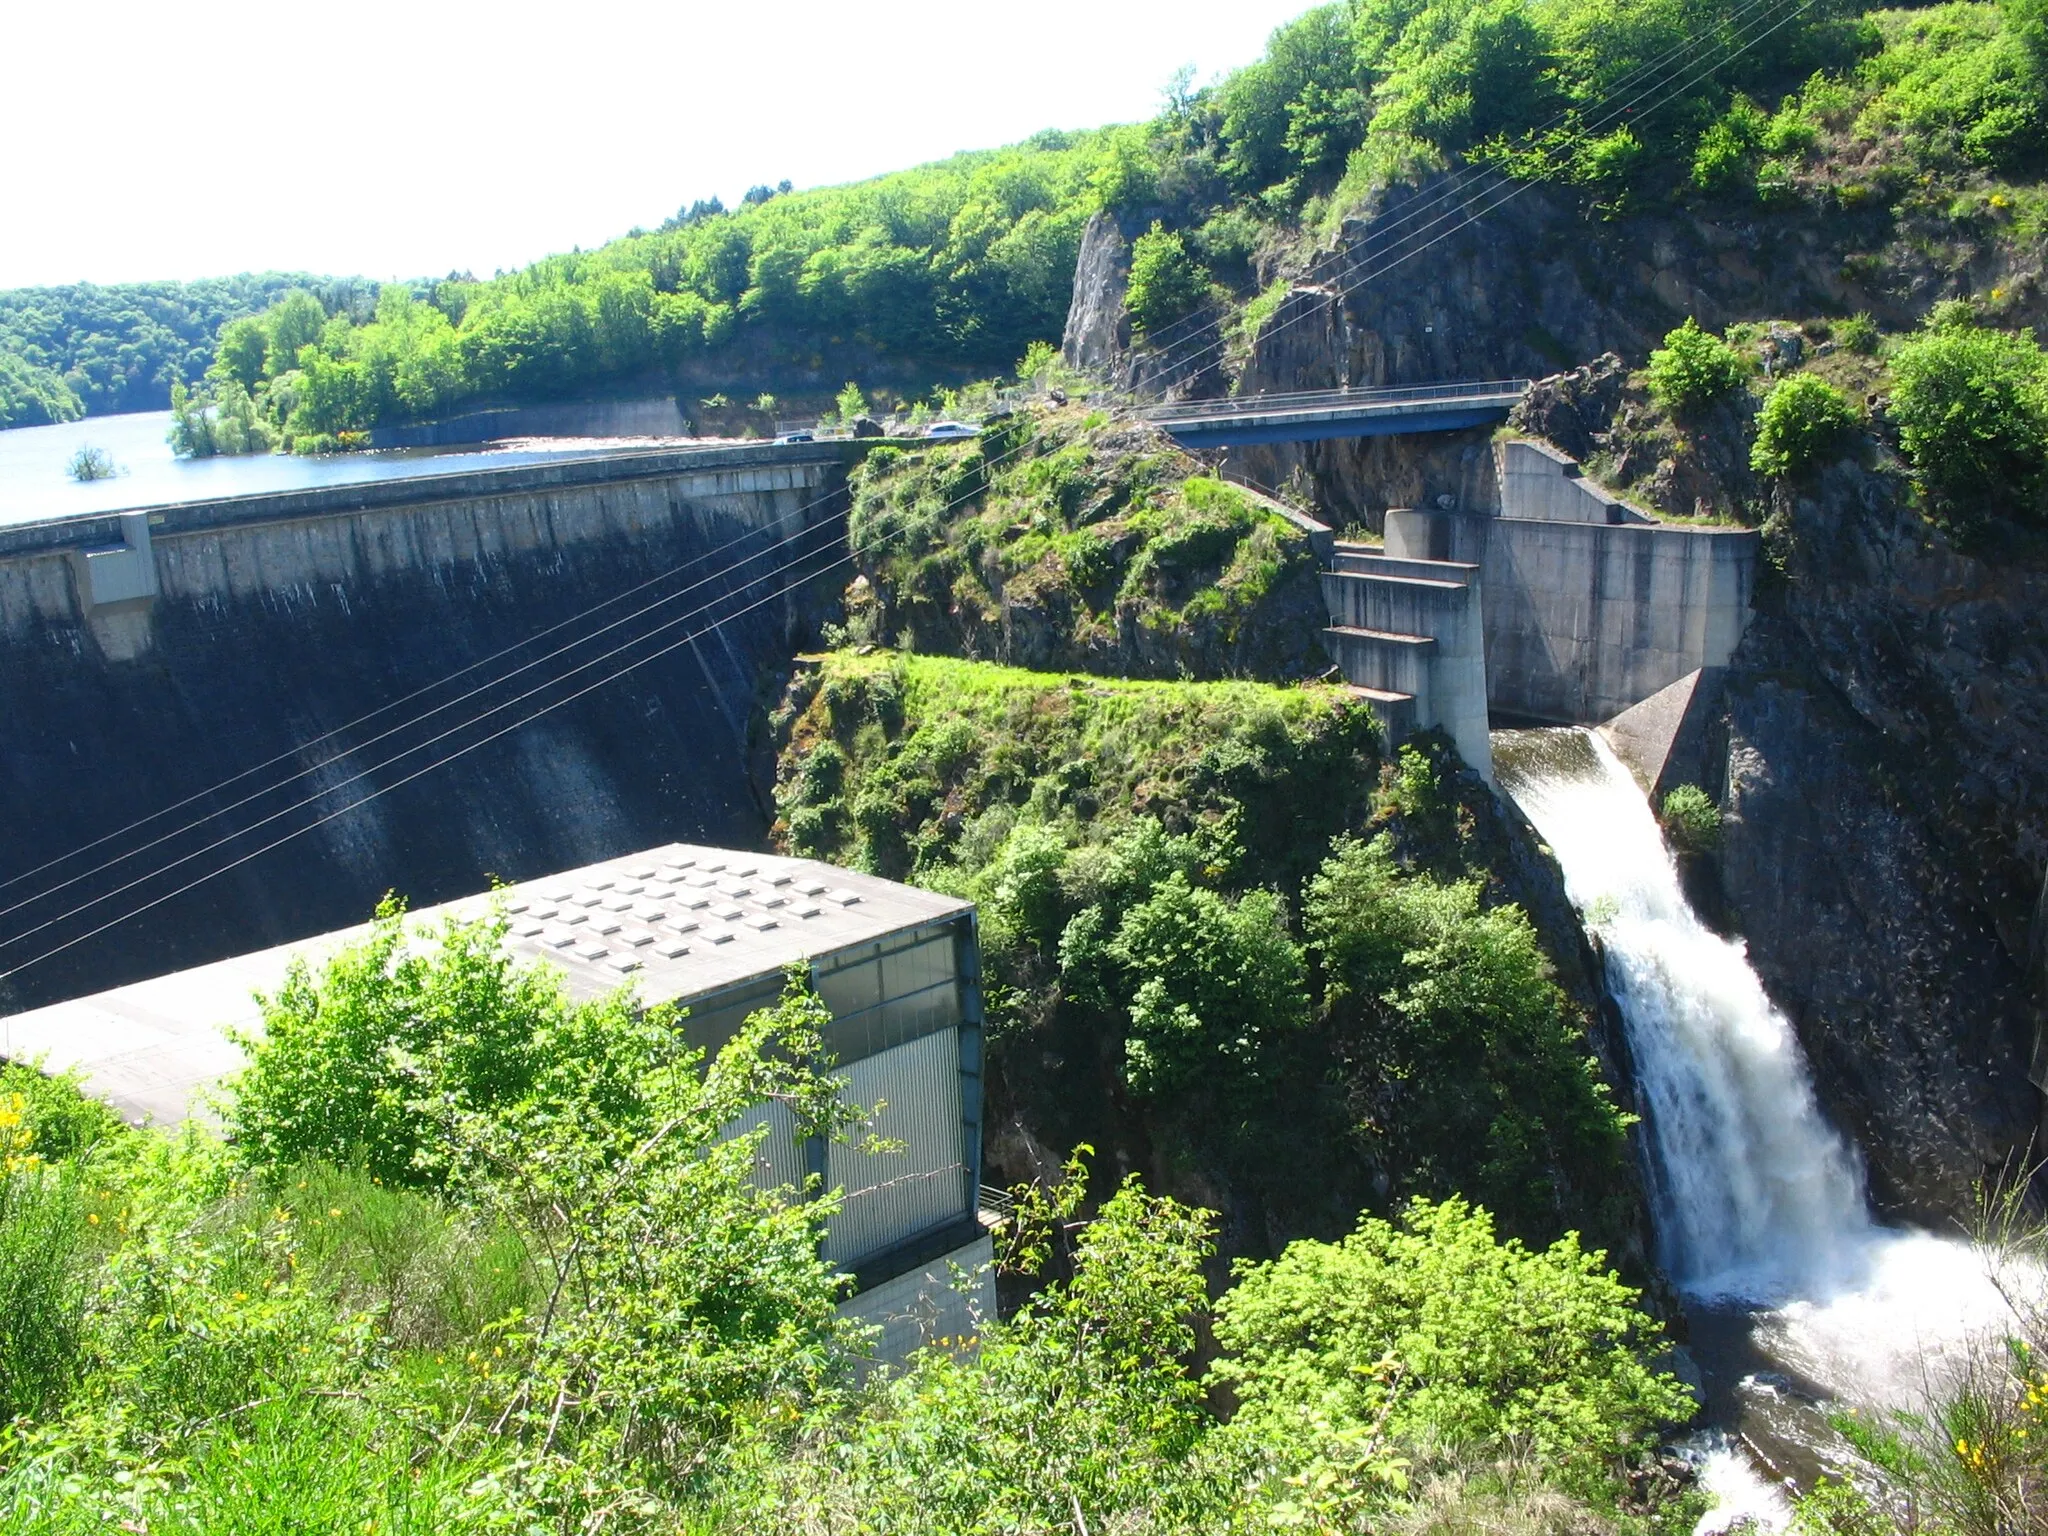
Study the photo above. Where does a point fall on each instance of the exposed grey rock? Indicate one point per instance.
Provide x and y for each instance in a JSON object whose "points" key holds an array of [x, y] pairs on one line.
{"points": [[1572, 410], [1098, 331], [1881, 742]]}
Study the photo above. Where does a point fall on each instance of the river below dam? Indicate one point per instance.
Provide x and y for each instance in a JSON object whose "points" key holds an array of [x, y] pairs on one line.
{"points": [[36, 484], [1799, 1302]]}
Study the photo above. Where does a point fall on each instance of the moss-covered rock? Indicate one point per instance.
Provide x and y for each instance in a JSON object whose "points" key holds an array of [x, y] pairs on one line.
{"points": [[1063, 538]]}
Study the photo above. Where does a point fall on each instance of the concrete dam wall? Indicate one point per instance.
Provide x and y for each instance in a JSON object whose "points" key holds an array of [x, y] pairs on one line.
{"points": [[1565, 604], [150, 658]]}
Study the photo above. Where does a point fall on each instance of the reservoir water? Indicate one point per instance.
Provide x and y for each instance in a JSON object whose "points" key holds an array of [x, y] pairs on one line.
{"points": [[36, 485], [1798, 1299]]}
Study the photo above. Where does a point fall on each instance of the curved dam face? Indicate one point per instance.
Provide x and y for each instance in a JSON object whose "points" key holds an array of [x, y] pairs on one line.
{"points": [[417, 685]]}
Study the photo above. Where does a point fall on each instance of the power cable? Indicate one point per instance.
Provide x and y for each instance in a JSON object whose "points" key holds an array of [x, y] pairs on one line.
{"points": [[853, 552]]}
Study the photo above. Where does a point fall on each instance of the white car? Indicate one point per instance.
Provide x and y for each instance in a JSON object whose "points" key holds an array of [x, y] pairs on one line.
{"points": [[950, 429]]}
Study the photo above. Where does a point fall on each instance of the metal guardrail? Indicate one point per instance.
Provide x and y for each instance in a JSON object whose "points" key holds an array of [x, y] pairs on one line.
{"points": [[1312, 399]]}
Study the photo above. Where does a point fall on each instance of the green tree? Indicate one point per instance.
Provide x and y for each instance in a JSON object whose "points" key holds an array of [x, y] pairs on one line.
{"points": [[1219, 986], [1805, 421], [1694, 369], [1437, 1328], [349, 1057], [1972, 410], [241, 352], [1167, 284], [292, 323]]}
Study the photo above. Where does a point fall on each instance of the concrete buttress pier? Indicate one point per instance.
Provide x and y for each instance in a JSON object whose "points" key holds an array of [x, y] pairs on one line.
{"points": [[157, 655]]}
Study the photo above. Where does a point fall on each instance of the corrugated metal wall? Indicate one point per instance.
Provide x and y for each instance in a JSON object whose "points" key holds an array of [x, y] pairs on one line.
{"points": [[895, 1195], [779, 1159]]}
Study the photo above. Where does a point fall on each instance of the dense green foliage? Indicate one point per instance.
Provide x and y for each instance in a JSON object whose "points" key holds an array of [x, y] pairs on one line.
{"points": [[600, 1324], [1694, 369], [348, 1058], [1061, 538], [1803, 422], [1972, 409], [1154, 865], [32, 396], [87, 349], [1459, 1050], [1431, 1325]]}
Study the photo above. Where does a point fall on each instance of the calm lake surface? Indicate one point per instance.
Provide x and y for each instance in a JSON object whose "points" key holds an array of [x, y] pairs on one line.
{"points": [[35, 486]]}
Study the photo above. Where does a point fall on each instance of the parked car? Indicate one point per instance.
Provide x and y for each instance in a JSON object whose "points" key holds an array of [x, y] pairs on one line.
{"points": [[950, 429]]}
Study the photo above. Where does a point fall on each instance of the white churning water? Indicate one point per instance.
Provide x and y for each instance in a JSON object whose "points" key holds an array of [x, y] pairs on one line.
{"points": [[1759, 1202]]}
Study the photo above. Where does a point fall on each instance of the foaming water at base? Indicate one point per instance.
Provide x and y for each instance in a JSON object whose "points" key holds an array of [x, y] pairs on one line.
{"points": [[1759, 1203], [1741, 1494]]}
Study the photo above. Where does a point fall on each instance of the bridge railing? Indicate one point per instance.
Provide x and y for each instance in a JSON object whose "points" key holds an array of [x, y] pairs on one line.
{"points": [[1250, 405]]}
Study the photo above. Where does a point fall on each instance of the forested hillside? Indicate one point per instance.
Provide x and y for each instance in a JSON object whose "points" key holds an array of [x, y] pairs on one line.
{"points": [[82, 350], [959, 265]]}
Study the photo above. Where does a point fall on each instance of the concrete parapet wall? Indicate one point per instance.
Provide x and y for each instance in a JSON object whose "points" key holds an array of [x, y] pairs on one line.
{"points": [[1584, 619], [1539, 483]]}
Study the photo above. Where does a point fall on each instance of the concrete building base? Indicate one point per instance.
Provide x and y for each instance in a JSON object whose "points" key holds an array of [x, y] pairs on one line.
{"points": [[923, 1306]]}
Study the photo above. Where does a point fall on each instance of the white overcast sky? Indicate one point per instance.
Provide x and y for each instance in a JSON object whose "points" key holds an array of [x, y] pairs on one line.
{"points": [[399, 138]]}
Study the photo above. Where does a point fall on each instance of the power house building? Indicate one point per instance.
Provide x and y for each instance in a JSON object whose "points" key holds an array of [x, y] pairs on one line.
{"points": [[713, 931]]}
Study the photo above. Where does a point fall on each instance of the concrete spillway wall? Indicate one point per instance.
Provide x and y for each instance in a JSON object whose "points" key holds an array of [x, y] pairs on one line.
{"points": [[1589, 606], [149, 659]]}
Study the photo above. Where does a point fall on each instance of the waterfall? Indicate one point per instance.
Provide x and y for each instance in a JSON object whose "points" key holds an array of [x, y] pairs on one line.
{"points": [[1758, 1202]]}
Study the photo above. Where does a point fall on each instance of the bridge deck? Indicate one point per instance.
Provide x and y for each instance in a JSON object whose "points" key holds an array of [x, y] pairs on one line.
{"points": [[1321, 415]]}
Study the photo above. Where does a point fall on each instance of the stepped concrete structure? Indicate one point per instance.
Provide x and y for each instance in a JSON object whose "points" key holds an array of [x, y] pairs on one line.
{"points": [[714, 931], [1564, 604]]}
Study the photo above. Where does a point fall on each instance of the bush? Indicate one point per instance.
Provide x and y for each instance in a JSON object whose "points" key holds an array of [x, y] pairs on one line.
{"points": [[357, 1065], [1435, 1329], [1858, 333], [42, 1234], [60, 1118], [1721, 162], [1693, 369], [1219, 985], [1166, 283], [1691, 820], [1972, 409], [1804, 421]]}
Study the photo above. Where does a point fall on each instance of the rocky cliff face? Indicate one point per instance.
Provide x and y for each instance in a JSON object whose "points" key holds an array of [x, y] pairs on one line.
{"points": [[1881, 744], [1098, 331], [1884, 769]]}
